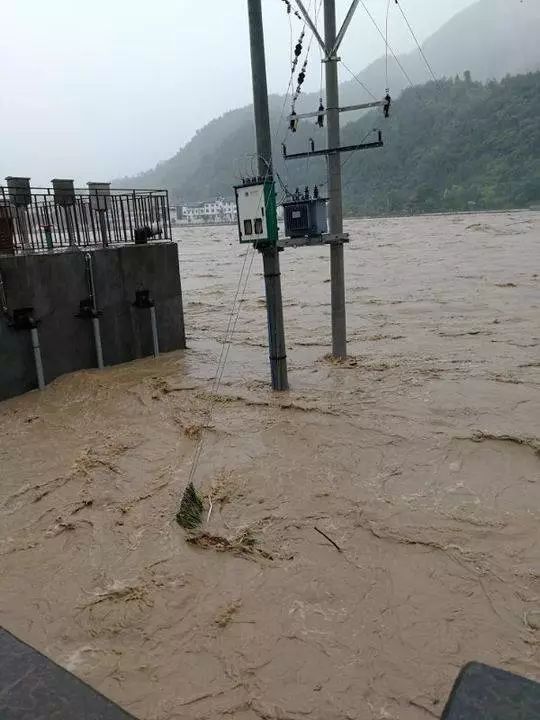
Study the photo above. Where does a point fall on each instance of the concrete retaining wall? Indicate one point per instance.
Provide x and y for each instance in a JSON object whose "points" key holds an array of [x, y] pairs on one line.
{"points": [[54, 285]]}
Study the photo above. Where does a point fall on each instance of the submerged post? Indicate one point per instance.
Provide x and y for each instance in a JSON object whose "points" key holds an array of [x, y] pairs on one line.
{"points": [[97, 342], [153, 324], [143, 301], [270, 252], [92, 309], [37, 358], [23, 319]]}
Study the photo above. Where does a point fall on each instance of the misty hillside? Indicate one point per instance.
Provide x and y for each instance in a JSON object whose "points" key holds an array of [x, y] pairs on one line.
{"points": [[457, 146], [492, 38]]}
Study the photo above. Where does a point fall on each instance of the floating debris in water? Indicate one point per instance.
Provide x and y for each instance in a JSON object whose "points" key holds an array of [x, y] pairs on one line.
{"points": [[347, 362], [190, 514], [243, 543]]}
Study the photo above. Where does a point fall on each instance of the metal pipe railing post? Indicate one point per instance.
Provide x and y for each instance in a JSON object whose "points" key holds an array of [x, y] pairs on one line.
{"points": [[155, 338], [37, 358], [94, 311], [103, 227], [97, 341]]}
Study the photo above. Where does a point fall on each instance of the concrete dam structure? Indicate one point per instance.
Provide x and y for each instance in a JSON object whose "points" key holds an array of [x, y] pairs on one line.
{"points": [[89, 283]]}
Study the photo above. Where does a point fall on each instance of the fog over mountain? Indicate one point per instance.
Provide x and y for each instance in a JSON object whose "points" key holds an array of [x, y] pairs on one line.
{"points": [[490, 39], [109, 89]]}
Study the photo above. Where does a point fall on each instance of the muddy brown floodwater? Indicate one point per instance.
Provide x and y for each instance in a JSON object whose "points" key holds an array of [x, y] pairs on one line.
{"points": [[420, 459]]}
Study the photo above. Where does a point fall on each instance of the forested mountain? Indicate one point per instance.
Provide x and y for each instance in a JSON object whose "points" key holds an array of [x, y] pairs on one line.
{"points": [[451, 146], [446, 145]]}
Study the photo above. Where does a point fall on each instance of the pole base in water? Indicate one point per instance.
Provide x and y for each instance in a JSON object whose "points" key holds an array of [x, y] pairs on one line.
{"points": [[274, 309]]}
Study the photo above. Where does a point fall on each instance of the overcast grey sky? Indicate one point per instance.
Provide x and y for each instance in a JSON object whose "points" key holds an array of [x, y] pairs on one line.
{"points": [[95, 90]]}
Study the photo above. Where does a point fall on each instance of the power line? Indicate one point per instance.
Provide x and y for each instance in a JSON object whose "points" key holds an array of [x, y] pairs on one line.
{"points": [[222, 360], [317, 11], [302, 74], [289, 86], [233, 329], [293, 68], [236, 304], [290, 10], [355, 77], [321, 58], [387, 44], [290, 38], [350, 155], [416, 41], [227, 341]]}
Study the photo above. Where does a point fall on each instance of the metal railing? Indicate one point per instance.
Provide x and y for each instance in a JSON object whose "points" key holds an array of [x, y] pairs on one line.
{"points": [[47, 223]]}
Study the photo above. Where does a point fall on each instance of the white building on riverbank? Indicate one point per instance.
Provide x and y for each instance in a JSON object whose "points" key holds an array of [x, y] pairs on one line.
{"points": [[219, 210]]}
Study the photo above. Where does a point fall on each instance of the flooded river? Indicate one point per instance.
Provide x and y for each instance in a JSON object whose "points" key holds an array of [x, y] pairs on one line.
{"points": [[419, 458]]}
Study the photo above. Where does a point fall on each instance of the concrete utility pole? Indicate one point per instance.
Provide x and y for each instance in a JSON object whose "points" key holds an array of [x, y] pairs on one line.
{"points": [[330, 46], [335, 208], [270, 253]]}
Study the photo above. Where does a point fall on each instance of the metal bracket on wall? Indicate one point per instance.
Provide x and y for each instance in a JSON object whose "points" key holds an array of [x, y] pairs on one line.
{"points": [[23, 319]]}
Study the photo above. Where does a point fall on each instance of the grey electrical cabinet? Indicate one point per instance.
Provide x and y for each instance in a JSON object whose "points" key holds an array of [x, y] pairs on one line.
{"points": [[100, 196], [64, 192], [19, 191], [305, 218]]}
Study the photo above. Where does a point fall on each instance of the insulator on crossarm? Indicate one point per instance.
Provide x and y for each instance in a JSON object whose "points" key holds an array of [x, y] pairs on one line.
{"points": [[320, 116], [298, 48], [293, 122], [386, 106]]}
